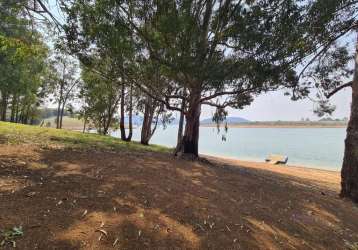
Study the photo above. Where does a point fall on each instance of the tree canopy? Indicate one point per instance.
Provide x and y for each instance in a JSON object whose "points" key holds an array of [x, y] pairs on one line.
{"points": [[217, 53]]}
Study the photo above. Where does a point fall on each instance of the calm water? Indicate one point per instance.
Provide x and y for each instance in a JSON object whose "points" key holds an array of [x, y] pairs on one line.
{"points": [[313, 147]]}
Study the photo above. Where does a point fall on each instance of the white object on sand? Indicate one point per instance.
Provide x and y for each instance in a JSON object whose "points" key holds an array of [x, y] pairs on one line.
{"points": [[276, 159]]}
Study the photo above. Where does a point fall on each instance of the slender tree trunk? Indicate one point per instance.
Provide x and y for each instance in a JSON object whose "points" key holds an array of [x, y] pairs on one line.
{"points": [[4, 103], [19, 118], [191, 134], [130, 123], [21, 112], [111, 110], [84, 124], [121, 121], [17, 113], [25, 117], [180, 130], [60, 101], [105, 125], [350, 162], [62, 110], [107, 121], [13, 108], [58, 114]]}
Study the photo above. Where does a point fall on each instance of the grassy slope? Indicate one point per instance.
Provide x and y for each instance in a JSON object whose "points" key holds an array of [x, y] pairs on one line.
{"points": [[17, 134], [68, 122]]}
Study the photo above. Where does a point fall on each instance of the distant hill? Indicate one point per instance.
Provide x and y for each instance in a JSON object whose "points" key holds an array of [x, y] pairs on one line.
{"points": [[229, 120], [329, 119]]}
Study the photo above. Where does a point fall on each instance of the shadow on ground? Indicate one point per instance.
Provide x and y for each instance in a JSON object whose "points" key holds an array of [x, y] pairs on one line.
{"points": [[67, 199]]}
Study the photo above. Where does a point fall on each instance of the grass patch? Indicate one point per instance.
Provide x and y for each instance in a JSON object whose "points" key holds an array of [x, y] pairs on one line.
{"points": [[67, 122], [9, 236], [12, 133]]}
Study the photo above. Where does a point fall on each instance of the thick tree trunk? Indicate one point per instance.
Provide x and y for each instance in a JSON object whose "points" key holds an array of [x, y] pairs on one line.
{"points": [[350, 162], [146, 132], [191, 134]]}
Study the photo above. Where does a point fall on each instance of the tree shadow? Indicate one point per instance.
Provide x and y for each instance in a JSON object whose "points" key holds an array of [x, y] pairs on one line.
{"points": [[140, 200]]}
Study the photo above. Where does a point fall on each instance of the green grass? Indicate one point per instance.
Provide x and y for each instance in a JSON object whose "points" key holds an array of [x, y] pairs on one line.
{"points": [[68, 122], [12, 133]]}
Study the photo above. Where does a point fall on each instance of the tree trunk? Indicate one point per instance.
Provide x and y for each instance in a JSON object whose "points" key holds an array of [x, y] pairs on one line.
{"points": [[61, 115], [13, 108], [105, 126], [146, 132], [4, 103], [107, 121], [60, 100], [17, 112], [121, 121], [180, 131], [107, 117], [191, 134], [84, 124], [58, 115], [130, 123], [25, 114], [349, 171]]}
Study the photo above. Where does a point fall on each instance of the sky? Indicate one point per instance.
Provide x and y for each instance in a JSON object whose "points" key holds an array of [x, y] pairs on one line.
{"points": [[274, 105]]}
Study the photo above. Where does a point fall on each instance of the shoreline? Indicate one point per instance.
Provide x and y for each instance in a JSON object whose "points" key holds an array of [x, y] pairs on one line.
{"points": [[262, 163], [275, 126], [330, 179], [258, 161]]}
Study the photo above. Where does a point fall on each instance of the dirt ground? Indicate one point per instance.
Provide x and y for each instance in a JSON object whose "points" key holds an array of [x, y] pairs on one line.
{"points": [[66, 199]]}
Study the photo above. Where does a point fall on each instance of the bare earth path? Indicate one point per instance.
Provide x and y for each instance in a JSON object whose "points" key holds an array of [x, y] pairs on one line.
{"points": [[92, 199]]}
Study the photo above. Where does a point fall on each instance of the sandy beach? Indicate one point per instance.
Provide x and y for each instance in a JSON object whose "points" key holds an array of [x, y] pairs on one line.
{"points": [[329, 179]]}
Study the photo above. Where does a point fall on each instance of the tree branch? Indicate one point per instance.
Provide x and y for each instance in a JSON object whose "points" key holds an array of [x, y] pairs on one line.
{"points": [[218, 105], [332, 93], [217, 94], [325, 48]]}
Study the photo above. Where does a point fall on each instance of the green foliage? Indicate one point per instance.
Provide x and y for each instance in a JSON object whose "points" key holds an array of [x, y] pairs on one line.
{"points": [[328, 53], [203, 46], [22, 64], [10, 236], [100, 96]]}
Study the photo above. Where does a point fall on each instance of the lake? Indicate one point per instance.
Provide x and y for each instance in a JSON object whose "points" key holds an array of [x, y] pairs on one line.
{"points": [[312, 147]]}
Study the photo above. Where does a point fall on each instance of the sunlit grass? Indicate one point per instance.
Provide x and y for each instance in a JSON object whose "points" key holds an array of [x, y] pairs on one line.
{"points": [[68, 122], [12, 133]]}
